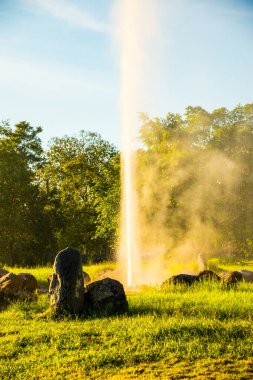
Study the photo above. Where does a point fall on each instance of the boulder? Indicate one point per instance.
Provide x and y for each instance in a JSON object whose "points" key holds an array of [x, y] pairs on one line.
{"points": [[66, 288], [247, 275], [231, 278], [28, 282], [208, 275], [10, 283], [3, 272], [105, 296], [187, 279]]}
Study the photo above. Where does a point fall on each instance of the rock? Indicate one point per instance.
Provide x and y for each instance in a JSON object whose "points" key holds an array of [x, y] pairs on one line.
{"points": [[86, 278], [66, 287], [3, 272], [247, 275], [16, 287], [10, 283], [29, 282], [23, 282], [208, 275], [231, 278], [105, 296], [188, 279]]}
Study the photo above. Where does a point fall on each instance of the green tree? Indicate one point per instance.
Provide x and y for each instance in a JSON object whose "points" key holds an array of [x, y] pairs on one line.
{"points": [[194, 179], [81, 178], [24, 234]]}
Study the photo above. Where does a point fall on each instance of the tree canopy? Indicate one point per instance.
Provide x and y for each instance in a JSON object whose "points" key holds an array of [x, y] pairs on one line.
{"points": [[193, 179]]}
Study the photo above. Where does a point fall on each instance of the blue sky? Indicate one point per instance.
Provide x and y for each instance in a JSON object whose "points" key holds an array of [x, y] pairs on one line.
{"points": [[59, 66]]}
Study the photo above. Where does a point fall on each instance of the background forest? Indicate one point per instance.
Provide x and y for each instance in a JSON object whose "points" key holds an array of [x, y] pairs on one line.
{"points": [[194, 181]]}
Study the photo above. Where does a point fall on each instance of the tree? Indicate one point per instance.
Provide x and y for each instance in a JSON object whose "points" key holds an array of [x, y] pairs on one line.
{"points": [[194, 179], [24, 235], [81, 179]]}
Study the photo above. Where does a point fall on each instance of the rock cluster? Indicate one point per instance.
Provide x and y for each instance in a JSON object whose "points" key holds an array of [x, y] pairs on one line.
{"points": [[69, 295], [228, 278]]}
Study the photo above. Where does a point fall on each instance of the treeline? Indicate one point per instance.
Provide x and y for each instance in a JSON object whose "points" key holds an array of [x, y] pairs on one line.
{"points": [[194, 179], [195, 183], [68, 195]]}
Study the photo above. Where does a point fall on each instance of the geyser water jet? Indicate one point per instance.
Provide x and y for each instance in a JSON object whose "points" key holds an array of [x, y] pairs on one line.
{"points": [[136, 21]]}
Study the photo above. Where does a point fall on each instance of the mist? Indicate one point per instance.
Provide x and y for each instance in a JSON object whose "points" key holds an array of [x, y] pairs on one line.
{"points": [[182, 175]]}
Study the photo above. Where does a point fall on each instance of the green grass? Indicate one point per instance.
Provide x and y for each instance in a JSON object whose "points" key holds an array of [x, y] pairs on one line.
{"points": [[41, 273], [218, 265], [201, 332]]}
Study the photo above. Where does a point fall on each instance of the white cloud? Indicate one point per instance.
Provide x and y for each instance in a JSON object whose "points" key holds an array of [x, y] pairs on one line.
{"points": [[67, 11]]}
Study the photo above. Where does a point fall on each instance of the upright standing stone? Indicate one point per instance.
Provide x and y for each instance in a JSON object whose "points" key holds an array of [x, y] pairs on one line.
{"points": [[66, 287]]}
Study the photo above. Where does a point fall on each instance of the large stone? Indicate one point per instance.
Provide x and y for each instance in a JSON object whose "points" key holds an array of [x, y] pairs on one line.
{"points": [[28, 282], [187, 279], [208, 275], [66, 287], [19, 287], [10, 283], [3, 272], [247, 275], [105, 296], [231, 278]]}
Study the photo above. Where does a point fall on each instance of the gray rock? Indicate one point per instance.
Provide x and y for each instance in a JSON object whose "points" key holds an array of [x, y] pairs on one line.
{"points": [[231, 278], [10, 283], [187, 279], [66, 287], [247, 275], [105, 296], [16, 288], [28, 282], [208, 275]]}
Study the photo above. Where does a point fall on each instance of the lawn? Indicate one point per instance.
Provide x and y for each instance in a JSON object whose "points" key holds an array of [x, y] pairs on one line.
{"points": [[201, 332]]}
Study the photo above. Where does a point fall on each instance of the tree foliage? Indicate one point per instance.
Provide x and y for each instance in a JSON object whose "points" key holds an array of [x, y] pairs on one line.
{"points": [[197, 169], [81, 180], [193, 178], [24, 234]]}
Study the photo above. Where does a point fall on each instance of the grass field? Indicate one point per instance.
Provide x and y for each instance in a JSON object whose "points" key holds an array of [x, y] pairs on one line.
{"points": [[201, 332]]}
